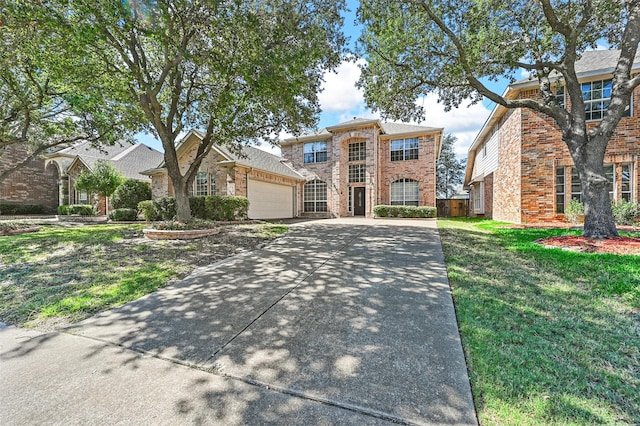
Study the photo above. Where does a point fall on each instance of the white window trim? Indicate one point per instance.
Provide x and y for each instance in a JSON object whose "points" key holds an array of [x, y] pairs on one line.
{"points": [[478, 198]]}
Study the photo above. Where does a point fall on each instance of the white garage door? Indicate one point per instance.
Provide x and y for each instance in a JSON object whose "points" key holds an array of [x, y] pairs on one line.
{"points": [[269, 200]]}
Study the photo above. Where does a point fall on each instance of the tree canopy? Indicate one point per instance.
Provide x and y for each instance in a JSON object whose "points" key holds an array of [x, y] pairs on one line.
{"points": [[454, 47], [449, 170], [238, 71], [103, 180], [49, 99]]}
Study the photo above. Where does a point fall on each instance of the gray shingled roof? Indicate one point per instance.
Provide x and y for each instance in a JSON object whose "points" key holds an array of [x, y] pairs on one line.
{"points": [[129, 158], [259, 159], [141, 157], [355, 122], [398, 128], [387, 127], [594, 61]]}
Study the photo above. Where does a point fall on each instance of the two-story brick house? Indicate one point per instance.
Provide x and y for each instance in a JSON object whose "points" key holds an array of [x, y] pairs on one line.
{"points": [[519, 169], [352, 166]]}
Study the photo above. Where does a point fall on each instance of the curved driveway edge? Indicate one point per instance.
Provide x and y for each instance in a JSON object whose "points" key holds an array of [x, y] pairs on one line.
{"points": [[348, 321]]}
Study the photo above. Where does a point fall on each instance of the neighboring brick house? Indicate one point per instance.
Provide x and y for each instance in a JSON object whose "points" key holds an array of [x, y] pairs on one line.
{"points": [[127, 157], [519, 169], [31, 184], [352, 166], [268, 182]]}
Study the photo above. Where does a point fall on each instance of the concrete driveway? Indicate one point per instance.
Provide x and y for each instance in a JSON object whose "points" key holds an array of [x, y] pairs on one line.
{"points": [[338, 322]]}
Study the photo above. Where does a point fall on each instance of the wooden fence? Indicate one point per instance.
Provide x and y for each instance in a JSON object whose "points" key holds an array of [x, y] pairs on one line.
{"points": [[452, 207]]}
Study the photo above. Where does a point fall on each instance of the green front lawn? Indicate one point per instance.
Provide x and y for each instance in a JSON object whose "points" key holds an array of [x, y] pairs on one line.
{"points": [[551, 337], [62, 275]]}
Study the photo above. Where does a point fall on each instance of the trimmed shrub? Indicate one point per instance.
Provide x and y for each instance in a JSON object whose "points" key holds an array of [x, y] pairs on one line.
{"points": [[213, 207], [148, 209], [574, 211], [17, 209], [226, 207], [427, 211], [124, 214], [625, 213], [63, 210], [198, 207], [405, 211], [165, 208], [81, 209], [130, 193]]}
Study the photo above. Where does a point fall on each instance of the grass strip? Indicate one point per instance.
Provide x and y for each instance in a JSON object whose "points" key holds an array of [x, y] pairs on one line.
{"points": [[61, 275], [551, 337]]}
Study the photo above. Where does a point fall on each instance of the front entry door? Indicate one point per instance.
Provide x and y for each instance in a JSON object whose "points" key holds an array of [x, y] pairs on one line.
{"points": [[358, 201]]}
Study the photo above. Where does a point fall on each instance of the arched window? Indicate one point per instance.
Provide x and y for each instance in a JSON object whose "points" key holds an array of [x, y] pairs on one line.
{"points": [[404, 192], [315, 196]]}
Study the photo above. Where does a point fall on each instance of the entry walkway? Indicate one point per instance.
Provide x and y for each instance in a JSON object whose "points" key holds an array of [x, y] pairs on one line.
{"points": [[338, 322]]}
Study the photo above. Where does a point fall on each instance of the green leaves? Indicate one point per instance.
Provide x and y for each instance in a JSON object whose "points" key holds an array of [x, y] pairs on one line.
{"points": [[103, 180], [451, 46]]}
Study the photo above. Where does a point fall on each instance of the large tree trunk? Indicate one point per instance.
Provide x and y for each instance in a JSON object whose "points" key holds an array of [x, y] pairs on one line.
{"points": [[181, 193], [598, 216], [183, 210]]}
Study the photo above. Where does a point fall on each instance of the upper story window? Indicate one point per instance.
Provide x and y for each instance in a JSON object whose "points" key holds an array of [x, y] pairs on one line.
{"points": [[315, 152], [404, 149], [357, 151], [597, 95]]}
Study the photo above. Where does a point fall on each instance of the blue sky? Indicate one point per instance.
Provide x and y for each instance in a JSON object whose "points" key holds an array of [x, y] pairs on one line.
{"points": [[341, 101]]}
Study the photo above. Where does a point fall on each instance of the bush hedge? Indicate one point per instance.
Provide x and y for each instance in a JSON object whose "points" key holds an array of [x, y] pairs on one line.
{"points": [[130, 194], [79, 209], [123, 214], [226, 207], [212, 207], [148, 210], [625, 213], [63, 210], [405, 211], [17, 209], [574, 211]]}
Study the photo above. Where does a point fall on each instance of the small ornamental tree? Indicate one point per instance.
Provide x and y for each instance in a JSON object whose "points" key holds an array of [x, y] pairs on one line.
{"points": [[130, 193], [103, 180], [454, 47], [449, 170]]}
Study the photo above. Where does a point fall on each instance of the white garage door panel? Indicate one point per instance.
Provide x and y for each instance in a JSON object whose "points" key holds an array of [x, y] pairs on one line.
{"points": [[269, 200]]}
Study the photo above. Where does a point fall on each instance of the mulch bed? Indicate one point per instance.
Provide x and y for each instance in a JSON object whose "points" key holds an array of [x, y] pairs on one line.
{"points": [[615, 245], [19, 231]]}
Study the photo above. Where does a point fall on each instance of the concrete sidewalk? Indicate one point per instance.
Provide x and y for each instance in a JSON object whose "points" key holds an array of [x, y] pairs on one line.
{"points": [[338, 322]]}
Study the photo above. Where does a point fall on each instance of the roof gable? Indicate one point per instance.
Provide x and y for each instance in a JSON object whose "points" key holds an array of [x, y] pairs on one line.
{"points": [[247, 156]]}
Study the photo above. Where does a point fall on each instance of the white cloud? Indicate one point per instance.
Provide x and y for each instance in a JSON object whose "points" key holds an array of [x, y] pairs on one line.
{"points": [[463, 122], [339, 94], [342, 101]]}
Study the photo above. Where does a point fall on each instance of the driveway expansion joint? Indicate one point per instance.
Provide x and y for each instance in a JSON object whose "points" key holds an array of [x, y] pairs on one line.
{"points": [[285, 294]]}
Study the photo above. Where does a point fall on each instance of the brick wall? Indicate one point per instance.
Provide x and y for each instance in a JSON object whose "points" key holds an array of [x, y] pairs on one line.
{"points": [[340, 178], [294, 154], [488, 196], [423, 170], [543, 150], [31, 184], [506, 178]]}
